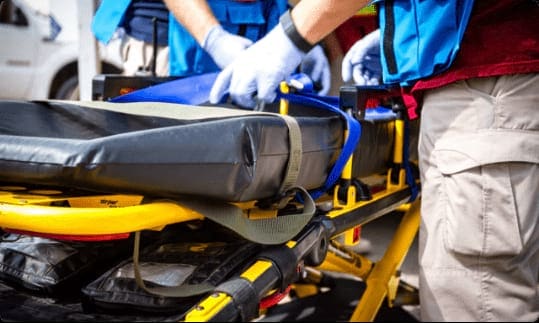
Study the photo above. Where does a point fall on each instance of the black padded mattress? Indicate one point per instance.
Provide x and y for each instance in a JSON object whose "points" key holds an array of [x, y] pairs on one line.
{"points": [[168, 150]]}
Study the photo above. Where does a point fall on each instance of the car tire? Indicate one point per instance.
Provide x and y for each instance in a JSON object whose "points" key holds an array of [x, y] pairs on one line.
{"points": [[68, 89]]}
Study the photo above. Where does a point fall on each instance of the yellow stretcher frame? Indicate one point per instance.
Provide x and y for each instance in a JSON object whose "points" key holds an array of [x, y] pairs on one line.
{"points": [[45, 212]]}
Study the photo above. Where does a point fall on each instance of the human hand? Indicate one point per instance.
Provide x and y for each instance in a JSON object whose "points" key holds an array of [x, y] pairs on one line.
{"points": [[224, 47], [316, 66], [258, 70], [362, 61]]}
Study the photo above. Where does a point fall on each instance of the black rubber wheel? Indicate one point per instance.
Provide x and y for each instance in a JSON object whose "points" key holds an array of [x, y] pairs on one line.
{"points": [[68, 89]]}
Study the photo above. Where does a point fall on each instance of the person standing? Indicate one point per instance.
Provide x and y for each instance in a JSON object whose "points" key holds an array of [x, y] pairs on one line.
{"points": [[469, 70], [195, 36], [136, 22]]}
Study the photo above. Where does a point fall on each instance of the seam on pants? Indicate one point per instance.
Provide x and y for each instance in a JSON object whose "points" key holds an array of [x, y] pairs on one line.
{"points": [[484, 276]]}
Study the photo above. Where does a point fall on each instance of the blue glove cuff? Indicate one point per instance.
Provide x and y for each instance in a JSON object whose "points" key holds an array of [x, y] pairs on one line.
{"points": [[292, 33]]}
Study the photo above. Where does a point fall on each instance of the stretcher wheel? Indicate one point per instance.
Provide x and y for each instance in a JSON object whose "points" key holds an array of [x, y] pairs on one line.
{"points": [[318, 253]]}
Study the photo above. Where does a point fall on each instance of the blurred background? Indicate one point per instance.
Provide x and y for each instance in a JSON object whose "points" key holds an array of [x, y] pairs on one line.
{"points": [[45, 43], [49, 52]]}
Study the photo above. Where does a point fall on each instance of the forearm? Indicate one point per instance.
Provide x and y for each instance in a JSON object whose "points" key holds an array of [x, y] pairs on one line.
{"points": [[195, 15], [315, 19]]}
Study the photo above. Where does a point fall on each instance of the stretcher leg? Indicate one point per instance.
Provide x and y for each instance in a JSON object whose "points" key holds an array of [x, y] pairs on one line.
{"points": [[382, 282]]}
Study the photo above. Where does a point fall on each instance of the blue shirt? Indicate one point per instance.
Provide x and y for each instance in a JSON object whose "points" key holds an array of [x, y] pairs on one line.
{"points": [[138, 20]]}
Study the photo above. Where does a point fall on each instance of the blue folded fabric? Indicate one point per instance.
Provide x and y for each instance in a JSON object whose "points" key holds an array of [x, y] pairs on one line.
{"points": [[192, 90]]}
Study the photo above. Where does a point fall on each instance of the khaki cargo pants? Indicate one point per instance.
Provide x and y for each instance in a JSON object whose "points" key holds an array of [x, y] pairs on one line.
{"points": [[479, 234]]}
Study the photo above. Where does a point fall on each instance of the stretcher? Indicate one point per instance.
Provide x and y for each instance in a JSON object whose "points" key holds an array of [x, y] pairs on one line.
{"points": [[292, 182]]}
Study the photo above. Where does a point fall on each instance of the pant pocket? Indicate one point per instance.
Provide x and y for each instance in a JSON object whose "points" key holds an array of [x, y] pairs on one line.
{"points": [[481, 217]]}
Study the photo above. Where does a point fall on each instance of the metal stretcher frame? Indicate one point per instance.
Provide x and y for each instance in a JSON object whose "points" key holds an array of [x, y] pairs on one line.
{"points": [[275, 269], [313, 246]]}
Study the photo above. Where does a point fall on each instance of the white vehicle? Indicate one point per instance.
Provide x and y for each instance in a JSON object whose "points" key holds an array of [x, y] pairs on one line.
{"points": [[39, 51]]}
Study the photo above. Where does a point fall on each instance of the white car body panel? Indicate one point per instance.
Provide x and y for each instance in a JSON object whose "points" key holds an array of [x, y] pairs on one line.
{"points": [[30, 58]]}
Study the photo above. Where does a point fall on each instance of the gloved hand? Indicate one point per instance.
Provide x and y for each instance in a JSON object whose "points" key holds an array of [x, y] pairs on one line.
{"points": [[316, 66], [258, 70], [362, 61], [223, 46]]}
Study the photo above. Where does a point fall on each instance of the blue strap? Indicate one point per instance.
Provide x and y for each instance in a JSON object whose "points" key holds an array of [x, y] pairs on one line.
{"points": [[354, 133]]}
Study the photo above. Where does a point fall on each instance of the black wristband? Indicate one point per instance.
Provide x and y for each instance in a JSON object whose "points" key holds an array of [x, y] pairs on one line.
{"points": [[293, 34]]}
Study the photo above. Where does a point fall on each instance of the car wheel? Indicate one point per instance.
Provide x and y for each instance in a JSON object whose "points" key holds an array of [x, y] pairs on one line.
{"points": [[68, 89]]}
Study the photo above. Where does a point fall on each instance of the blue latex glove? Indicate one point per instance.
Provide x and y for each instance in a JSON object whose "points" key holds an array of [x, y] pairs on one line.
{"points": [[362, 61], [316, 66], [223, 46], [257, 71]]}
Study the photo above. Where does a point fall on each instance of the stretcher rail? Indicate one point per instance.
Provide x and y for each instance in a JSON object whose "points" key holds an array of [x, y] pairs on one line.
{"points": [[343, 205]]}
